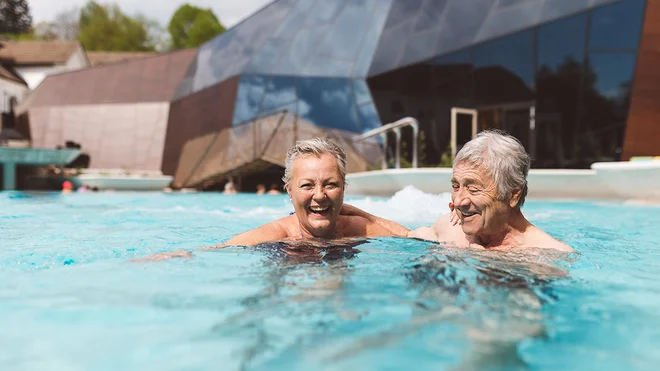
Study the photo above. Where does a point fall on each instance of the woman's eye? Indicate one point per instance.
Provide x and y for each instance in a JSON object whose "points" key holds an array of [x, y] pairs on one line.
{"points": [[306, 186], [331, 185]]}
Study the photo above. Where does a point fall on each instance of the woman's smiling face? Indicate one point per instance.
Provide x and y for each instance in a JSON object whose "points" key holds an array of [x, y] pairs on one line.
{"points": [[316, 190]]}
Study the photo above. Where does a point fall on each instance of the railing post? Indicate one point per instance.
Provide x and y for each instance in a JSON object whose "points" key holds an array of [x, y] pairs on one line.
{"points": [[383, 137], [415, 145], [397, 132], [8, 176]]}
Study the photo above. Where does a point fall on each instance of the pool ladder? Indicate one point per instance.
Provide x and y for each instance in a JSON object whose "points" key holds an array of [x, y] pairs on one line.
{"points": [[396, 128]]}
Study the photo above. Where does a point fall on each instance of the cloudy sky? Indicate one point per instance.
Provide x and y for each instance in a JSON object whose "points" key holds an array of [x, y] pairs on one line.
{"points": [[229, 12]]}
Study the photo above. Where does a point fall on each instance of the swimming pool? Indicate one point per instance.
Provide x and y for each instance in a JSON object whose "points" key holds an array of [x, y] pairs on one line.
{"points": [[70, 300]]}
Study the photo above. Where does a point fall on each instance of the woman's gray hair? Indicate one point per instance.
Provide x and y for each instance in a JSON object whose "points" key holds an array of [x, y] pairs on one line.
{"points": [[314, 147], [503, 156]]}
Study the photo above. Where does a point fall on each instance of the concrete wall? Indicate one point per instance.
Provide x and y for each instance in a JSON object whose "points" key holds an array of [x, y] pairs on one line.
{"points": [[115, 136]]}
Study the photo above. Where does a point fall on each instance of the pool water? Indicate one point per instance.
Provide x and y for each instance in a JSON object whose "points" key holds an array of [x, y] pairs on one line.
{"points": [[70, 299]]}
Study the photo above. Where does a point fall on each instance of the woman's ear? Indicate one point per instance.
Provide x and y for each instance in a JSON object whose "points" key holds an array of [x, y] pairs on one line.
{"points": [[514, 200]]}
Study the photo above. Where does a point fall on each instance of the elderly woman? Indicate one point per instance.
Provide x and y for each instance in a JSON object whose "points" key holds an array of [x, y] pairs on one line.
{"points": [[315, 179], [489, 186]]}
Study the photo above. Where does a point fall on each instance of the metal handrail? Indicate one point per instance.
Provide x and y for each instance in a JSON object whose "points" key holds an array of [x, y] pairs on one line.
{"points": [[396, 128]]}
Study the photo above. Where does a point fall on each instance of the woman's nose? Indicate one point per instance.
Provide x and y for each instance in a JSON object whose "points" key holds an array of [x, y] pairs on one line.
{"points": [[319, 193]]}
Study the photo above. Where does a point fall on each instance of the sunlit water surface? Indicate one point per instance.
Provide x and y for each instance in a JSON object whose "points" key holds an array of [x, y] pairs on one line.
{"points": [[71, 300]]}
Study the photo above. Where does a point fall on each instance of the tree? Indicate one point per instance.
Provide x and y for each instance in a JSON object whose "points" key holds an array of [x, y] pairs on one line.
{"points": [[191, 26], [15, 17], [107, 28]]}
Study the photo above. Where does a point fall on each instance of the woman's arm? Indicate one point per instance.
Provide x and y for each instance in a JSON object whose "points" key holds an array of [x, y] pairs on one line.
{"points": [[395, 228]]}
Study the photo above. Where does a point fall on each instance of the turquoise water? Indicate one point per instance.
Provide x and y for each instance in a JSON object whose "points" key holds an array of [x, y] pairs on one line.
{"points": [[71, 300]]}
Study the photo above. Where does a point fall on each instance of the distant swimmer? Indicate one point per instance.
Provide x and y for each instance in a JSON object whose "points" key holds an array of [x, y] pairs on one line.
{"points": [[261, 189], [274, 190], [315, 179], [489, 186]]}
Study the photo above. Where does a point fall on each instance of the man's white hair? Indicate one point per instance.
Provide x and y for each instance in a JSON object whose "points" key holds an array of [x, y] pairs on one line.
{"points": [[314, 147], [503, 157]]}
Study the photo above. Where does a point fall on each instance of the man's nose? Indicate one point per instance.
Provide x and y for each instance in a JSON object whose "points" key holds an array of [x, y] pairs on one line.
{"points": [[461, 198]]}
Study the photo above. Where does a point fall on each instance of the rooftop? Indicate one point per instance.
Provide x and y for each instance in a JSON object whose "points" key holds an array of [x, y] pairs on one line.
{"points": [[37, 52]]}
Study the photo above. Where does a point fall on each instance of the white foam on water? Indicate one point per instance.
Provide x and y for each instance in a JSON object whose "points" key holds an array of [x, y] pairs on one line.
{"points": [[409, 205]]}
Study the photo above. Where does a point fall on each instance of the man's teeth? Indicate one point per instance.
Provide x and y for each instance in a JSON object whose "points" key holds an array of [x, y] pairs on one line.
{"points": [[319, 208], [468, 214]]}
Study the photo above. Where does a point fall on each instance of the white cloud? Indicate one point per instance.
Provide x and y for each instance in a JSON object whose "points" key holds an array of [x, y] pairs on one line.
{"points": [[229, 12]]}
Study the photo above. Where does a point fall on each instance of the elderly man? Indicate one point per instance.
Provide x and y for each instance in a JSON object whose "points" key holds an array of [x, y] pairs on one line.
{"points": [[489, 186]]}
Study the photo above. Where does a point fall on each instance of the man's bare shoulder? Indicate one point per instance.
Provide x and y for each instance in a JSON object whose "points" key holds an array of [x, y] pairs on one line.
{"points": [[539, 238]]}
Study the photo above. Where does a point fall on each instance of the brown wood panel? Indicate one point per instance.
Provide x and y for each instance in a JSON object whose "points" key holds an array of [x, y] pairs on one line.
{"points": [[198, 114], [643, 125]]}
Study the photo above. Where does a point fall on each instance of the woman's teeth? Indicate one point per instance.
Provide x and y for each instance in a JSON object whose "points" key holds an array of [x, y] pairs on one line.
{"points": [[318, 209]]}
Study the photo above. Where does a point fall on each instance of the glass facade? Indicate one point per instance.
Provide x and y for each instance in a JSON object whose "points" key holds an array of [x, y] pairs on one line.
{"points": [[573, 76], [356, 64]]}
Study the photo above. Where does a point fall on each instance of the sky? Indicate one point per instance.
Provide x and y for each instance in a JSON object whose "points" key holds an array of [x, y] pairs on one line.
{"points": [[229, 12]]}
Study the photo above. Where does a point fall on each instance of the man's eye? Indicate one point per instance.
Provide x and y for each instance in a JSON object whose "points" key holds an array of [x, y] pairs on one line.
{"points": [[455, 187], [473, 189]]}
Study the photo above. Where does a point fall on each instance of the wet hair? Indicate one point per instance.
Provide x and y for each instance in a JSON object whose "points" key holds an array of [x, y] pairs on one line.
{"points": [[314, 147], [503, 157]]}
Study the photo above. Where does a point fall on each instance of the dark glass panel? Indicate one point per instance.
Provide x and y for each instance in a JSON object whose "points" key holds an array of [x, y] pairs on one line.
{"points": [[557, 120], [371, 38], [430, 15], [345, 36], [606, 100], [560, 45], [616, 26], [448, 66], [328, 103], [390, 49], [507, 3], [402, 11], [505, 21], [505, 69], [417, 47], [362, 93], [461, 23], [325, 11], [368, 116], [250, 94], [559, 8], [281, 90]]}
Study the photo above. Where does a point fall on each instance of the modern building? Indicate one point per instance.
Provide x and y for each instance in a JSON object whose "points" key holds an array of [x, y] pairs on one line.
{"points": [[117, 113], [575, 80]]}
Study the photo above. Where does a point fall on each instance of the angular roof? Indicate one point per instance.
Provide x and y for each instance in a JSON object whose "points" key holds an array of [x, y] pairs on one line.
{"points": [[37, 52], [101, 58], [8, 74], [151, 79], [361, 38]]}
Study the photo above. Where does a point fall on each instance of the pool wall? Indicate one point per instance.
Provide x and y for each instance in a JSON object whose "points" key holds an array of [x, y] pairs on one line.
{"points": [[634, 181]]}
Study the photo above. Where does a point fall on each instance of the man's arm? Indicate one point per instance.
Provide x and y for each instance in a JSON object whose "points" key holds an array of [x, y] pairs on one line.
{"points": [[395, 228]]}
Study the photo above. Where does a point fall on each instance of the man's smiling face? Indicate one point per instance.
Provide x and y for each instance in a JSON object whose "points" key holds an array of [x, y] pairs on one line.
{"points": [[482, 212]]}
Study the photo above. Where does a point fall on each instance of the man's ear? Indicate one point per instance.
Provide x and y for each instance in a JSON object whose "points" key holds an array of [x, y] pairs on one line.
{"points": [[514, 200]]}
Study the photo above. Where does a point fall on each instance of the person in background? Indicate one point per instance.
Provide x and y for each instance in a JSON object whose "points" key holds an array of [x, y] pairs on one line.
{"points": [[261, 189], [67, 187], [230, 187], [274, 189]]}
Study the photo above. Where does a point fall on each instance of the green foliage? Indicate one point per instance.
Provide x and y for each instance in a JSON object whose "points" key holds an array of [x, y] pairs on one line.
{"points": [[107, 28], [15, 17], [191, 26], [422, 160]]}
